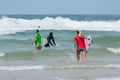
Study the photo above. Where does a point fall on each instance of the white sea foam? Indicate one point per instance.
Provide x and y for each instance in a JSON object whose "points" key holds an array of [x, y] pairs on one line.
{"points": [[57, 78], [12, 25], [2, 54], [84, 66], [114, 50], [41, 67], [108, 79], [13, 37], [20, 68]]}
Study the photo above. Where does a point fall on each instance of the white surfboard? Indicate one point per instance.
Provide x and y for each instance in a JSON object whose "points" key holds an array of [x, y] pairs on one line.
{"points": [[88, 42], [44, 41]]}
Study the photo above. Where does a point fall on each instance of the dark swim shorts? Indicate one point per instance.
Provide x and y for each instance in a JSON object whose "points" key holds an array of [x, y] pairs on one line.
{"points": [[81, 49]]}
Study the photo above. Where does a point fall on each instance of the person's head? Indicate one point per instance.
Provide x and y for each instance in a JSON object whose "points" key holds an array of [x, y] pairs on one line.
{"points": [[51, 33], [78, 32], [37, 31]]}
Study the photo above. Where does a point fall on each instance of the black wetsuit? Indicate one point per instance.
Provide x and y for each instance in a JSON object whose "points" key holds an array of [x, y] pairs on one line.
{"points": [[49, 39]]}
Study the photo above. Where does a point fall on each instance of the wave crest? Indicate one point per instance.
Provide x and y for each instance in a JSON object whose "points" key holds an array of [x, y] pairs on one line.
{"points": [[13, 25]]}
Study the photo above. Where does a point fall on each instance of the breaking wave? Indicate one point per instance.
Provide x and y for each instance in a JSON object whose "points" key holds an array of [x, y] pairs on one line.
{"points": [[13, 25]]}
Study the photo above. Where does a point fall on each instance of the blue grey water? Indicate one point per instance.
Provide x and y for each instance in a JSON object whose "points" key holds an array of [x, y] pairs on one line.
{"points": [[19, 62]]}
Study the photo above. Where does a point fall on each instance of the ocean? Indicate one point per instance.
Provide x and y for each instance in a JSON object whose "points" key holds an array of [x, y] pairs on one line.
{"points": [[19, 62]]}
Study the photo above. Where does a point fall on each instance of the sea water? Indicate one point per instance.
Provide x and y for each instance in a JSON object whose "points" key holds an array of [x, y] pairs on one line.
{"points": [[19, 62]]}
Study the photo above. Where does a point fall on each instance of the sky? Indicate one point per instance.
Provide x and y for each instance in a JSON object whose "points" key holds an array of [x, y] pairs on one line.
{"points": [[111, 7]]}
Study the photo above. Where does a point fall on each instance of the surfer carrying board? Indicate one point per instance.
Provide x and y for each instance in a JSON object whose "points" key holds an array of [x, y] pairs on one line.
{"points": [[37, 40], [50, 40], [80, 46]]}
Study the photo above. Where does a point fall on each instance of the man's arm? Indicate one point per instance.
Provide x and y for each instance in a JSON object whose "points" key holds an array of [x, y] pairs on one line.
{"points": [[53, 41]]}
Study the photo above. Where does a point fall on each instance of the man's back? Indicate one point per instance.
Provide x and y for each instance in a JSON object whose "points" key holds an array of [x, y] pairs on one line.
{"points": [[80, 41], [37, 39]]}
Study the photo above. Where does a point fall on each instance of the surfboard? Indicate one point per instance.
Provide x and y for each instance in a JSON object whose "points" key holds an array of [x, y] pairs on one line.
{"points": [[88, 42], [44, 41]]}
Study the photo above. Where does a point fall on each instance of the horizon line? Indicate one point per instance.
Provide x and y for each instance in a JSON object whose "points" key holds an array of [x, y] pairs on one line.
{"points": [[62, 14]]}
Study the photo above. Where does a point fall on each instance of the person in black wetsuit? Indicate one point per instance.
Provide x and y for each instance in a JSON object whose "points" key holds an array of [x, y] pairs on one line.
{"points": [[50, 40]]}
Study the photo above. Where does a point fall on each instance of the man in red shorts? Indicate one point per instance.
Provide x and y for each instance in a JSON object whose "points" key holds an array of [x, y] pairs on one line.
{"points": [[80, 46]]}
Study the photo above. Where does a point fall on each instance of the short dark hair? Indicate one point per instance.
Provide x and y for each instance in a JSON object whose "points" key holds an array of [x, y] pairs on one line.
{"points": [[51, 33], [78, 31], [37, 31]]}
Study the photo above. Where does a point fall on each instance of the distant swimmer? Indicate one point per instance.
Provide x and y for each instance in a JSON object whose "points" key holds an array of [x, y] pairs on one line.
{"points": [[50, 40], [37, 40]]}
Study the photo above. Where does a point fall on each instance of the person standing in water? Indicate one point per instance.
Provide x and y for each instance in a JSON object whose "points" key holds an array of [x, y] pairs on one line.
{"points": [[37, 40], [50, 40], [80, 46]]}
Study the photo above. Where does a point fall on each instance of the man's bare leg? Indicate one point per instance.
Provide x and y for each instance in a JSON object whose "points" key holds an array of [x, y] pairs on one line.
{"points": [[78, 54], [84, 56]]}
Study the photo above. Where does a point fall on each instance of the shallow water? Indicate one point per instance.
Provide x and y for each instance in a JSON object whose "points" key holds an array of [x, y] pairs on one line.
{"points": [[18, 60]]}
